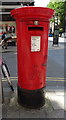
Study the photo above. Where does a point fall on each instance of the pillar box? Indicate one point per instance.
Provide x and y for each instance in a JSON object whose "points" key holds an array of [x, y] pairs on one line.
{"points": [[32, 46]]}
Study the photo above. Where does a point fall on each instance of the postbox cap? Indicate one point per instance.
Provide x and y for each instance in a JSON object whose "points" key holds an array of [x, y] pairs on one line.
{"points": [[32, 12]]}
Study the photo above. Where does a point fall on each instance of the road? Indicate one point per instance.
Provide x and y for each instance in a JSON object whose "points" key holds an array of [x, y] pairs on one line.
{"points": [[55, 66]]}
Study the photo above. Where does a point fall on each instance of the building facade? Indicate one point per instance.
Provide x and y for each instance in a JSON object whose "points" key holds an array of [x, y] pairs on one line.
{"points": [[7, 23]]}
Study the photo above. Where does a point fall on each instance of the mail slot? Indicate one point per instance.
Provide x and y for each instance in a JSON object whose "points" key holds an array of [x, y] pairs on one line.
{"points": [[32, 47], [35, 28]]}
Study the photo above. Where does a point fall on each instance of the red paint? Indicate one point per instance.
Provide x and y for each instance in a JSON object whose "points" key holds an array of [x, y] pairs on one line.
{"points": [[32, 65]]}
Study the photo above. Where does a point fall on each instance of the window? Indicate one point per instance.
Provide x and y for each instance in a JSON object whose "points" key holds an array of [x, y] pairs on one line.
{"points": [[7, 17]]}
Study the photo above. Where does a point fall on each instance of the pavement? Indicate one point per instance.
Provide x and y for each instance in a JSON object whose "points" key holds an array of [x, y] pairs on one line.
{"points": [[54, 107]]}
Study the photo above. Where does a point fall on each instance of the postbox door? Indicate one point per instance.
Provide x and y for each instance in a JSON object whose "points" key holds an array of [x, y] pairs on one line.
{"points": [[37, 38]]}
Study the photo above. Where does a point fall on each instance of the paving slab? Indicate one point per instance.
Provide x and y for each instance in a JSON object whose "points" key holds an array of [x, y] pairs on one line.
{"points": [[56, 114], [57, 99], [12, 114]]}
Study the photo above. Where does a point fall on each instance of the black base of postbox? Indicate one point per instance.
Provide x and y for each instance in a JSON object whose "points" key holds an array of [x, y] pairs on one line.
{"points": [[31, 98]]}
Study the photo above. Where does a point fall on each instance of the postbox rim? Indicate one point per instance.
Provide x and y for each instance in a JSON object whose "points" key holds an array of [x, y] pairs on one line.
{"points": [[32, 11]]}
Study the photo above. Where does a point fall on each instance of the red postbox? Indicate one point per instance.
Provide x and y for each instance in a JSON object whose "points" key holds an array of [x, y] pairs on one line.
{"points": [[32, 46]]}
